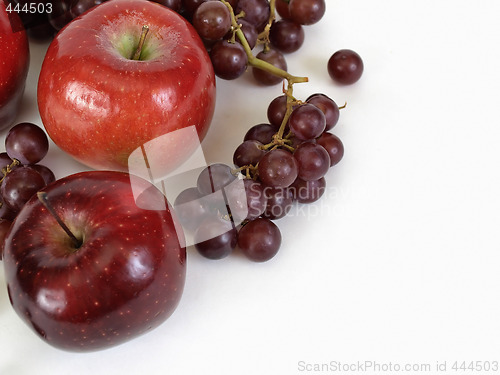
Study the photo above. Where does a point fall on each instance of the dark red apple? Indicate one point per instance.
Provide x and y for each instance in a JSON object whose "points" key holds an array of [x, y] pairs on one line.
{"points": [[122, 277], [14, 64], [99, 104]]}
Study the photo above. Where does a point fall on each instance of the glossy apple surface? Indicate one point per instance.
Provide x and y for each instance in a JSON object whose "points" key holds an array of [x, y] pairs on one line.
{"points": [[126, 278], [14, 64], [99, 105]]}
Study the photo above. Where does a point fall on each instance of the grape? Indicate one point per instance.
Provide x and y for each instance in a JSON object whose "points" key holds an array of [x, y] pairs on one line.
{"points": [[250, 32], [214, 178], [262, 133], [333, 145], [328, 107], [246, 200], [306, 12], [175, 5], [6, 212], [212, 20], [4, 228], [46, 173], [345, 67], [19, 186], [276, 111], [190, 209], [27, 143], [279, 202], [228, 59], [256, 12], [259, 240], [60, 15], [215, 239], [307, 122], [282, 9], [274, 57], [82, 6], [287, 36], [313, 161], [278, 168], [5, 161], [190, 6], [248, 153], [308, 191]]}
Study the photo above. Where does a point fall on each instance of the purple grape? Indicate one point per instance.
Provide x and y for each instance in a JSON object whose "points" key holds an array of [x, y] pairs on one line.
{"points": [[308, 191], [248, 153], [262, 133], [259, 240], [229, 60], [287, 36], [19, 186], [333, 145], [279, 202], [307, 122], [328, 107], [275, 58], [278, 168], [27, 143], [215, 239], [313, 161]]}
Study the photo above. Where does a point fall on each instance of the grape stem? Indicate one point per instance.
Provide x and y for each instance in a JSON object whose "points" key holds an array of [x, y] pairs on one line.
{"points": [[256, 62], [263, 37]]}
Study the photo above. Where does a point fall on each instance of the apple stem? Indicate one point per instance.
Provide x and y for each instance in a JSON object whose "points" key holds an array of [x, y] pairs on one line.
{"points": [[138, 51], [42, 197]]}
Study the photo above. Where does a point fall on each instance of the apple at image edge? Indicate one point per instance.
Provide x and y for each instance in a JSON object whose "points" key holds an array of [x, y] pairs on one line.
{"points": [[99, 105], [14, 65], [125, 278]]}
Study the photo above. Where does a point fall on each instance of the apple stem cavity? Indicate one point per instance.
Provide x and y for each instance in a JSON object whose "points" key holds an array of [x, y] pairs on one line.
{"points": [[42, 197], [138, 51]]}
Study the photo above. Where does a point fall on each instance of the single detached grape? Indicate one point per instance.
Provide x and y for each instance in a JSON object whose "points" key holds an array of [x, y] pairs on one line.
{"points": [[19, 186], [212, 20], [345, 67], [307, 122], [276, 111], [228, 59], [213, 178], [248, 153], [215, 238], [256, 12], [287, 36], [333, 145], [279, 202], [259, 240], [313, 161], [308, 191], [278, 168], [262, 133], [27, 143], [273, 57], [306, 12], [328, 107]]}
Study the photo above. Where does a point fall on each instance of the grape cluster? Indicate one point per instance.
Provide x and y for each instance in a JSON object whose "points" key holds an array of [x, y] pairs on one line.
{"points": [[26, 145], [217, 22], [276, 170]]}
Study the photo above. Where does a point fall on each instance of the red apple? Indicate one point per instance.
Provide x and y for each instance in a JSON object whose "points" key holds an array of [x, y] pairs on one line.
{"points": [[14, 64], [124, 276], [99, 105]]}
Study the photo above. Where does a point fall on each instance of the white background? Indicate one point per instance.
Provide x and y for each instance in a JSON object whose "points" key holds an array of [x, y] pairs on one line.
{"points": [[398, 262]]}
